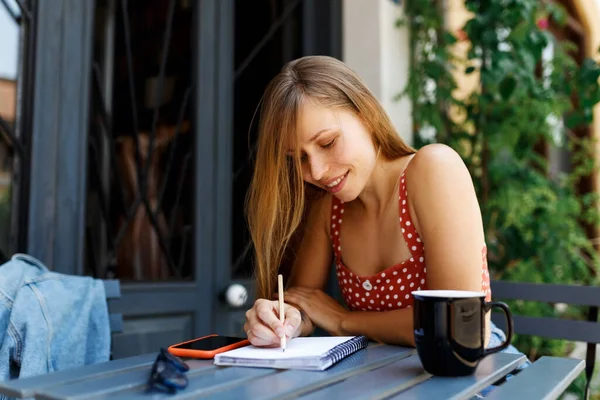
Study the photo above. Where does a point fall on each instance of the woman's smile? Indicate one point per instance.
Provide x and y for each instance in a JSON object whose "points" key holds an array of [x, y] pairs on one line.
{"points": [[336, 184]]}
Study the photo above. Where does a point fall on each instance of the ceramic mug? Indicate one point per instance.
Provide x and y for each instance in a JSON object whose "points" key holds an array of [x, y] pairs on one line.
{"points": [[449, 330]]}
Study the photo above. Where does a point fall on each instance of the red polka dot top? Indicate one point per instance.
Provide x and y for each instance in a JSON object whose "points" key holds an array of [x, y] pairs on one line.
{"points": [[389, 289]]}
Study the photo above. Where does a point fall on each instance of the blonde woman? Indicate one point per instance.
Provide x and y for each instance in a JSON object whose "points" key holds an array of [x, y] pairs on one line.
{"points": [[391, 219]]}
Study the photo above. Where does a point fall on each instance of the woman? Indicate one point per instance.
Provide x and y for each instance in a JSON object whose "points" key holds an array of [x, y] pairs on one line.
{"points": [[393, 219]]}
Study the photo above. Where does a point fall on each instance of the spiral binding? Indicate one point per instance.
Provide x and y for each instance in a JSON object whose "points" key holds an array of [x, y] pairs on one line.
{"points": [[343, 350]]}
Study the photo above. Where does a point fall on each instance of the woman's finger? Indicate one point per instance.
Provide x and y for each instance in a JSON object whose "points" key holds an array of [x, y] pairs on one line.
{"points": [[267, 312], [293, 320], [264, 335], [258, 342], [251, 314]]}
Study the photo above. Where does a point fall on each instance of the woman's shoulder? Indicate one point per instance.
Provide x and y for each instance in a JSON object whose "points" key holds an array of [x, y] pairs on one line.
{"points": [[434, 163], [437, 170], [440, 190], [433, 157]]}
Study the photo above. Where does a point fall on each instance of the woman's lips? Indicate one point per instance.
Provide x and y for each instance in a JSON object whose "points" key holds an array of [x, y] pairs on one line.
{"points": [[338, 184]]}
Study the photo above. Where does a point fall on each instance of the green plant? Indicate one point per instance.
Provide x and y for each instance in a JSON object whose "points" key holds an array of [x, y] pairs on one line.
{"points": [[526, 102]]}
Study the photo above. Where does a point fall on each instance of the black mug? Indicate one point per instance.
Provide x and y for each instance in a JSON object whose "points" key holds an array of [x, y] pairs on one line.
{"points": [[449, 330]]}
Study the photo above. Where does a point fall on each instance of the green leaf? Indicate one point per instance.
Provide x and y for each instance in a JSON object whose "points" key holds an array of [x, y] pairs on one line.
{"points": [[520, 31], [558, 13], [449, 38], [574, 120], [434, 69], [471, 5], [529, 60], [507, 87]]}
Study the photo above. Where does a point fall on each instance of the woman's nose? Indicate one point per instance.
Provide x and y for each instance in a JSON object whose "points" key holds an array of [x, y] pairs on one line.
{"points": [[318, 168]]}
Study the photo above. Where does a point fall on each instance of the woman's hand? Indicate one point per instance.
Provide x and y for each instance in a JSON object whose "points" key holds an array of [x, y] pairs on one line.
{"points": [[263, 327], [320, 308]]}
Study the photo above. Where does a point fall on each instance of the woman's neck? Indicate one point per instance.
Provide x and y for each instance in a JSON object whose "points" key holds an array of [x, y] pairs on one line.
{"points": [[382, 185]]}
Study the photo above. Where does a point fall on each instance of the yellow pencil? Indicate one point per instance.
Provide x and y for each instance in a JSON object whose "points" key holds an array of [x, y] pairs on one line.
{"points": [[281, 308]]}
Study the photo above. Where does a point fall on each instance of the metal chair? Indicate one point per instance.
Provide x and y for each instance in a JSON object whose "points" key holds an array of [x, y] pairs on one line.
{"points": [[555, 328]]}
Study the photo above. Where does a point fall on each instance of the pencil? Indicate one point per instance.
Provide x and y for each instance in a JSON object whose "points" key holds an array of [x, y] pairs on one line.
{"points": [[281, 308]]}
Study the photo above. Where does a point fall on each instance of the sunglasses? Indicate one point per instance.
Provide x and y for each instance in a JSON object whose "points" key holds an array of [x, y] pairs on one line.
{"points": [[168, 373]]}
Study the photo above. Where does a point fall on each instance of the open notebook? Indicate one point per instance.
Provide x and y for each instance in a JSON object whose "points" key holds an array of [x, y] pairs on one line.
{"points": [[308, 353]]}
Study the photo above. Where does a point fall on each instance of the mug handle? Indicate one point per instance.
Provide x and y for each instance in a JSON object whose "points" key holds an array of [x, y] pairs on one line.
{"points": [[509, 322]]}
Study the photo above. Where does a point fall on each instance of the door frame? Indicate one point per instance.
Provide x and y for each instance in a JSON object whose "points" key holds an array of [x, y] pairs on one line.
{"points": [[213, 154], [61, 47]]}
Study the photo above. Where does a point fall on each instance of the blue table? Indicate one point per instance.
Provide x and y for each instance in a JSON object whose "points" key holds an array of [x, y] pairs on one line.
{"points": [[378, 372]]}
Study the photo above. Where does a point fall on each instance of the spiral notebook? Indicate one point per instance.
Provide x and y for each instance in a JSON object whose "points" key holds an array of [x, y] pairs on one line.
{"points": [[307, 353]]}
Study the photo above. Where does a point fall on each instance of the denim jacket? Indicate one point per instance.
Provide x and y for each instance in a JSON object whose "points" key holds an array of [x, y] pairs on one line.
{"points": [[49, 321]]}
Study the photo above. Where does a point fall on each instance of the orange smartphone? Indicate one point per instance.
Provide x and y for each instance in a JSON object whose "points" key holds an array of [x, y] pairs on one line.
{"points": [[207, 347]]}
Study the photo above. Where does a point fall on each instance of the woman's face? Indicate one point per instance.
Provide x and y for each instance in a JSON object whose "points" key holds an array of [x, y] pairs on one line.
{"points": [[336, 149]]}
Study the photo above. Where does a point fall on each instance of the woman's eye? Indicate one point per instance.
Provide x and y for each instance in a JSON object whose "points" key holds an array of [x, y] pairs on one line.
{"points": [[329, 144]]}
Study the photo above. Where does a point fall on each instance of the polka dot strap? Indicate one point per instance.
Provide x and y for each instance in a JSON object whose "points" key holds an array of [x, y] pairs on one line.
{"points": [[337, 211], [411, 236]]}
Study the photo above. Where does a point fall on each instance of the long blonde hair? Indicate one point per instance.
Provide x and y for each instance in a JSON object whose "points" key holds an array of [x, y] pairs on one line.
{"points": [[276, 198]]}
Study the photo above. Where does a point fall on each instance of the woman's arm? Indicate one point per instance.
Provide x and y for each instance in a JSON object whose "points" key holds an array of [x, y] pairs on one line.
{"points": [[313, 255], [391, 327], [448, 218], [446, 214]]}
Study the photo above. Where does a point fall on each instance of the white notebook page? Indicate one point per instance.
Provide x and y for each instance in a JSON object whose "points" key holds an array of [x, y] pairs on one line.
{"points": [[296, 348]]}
